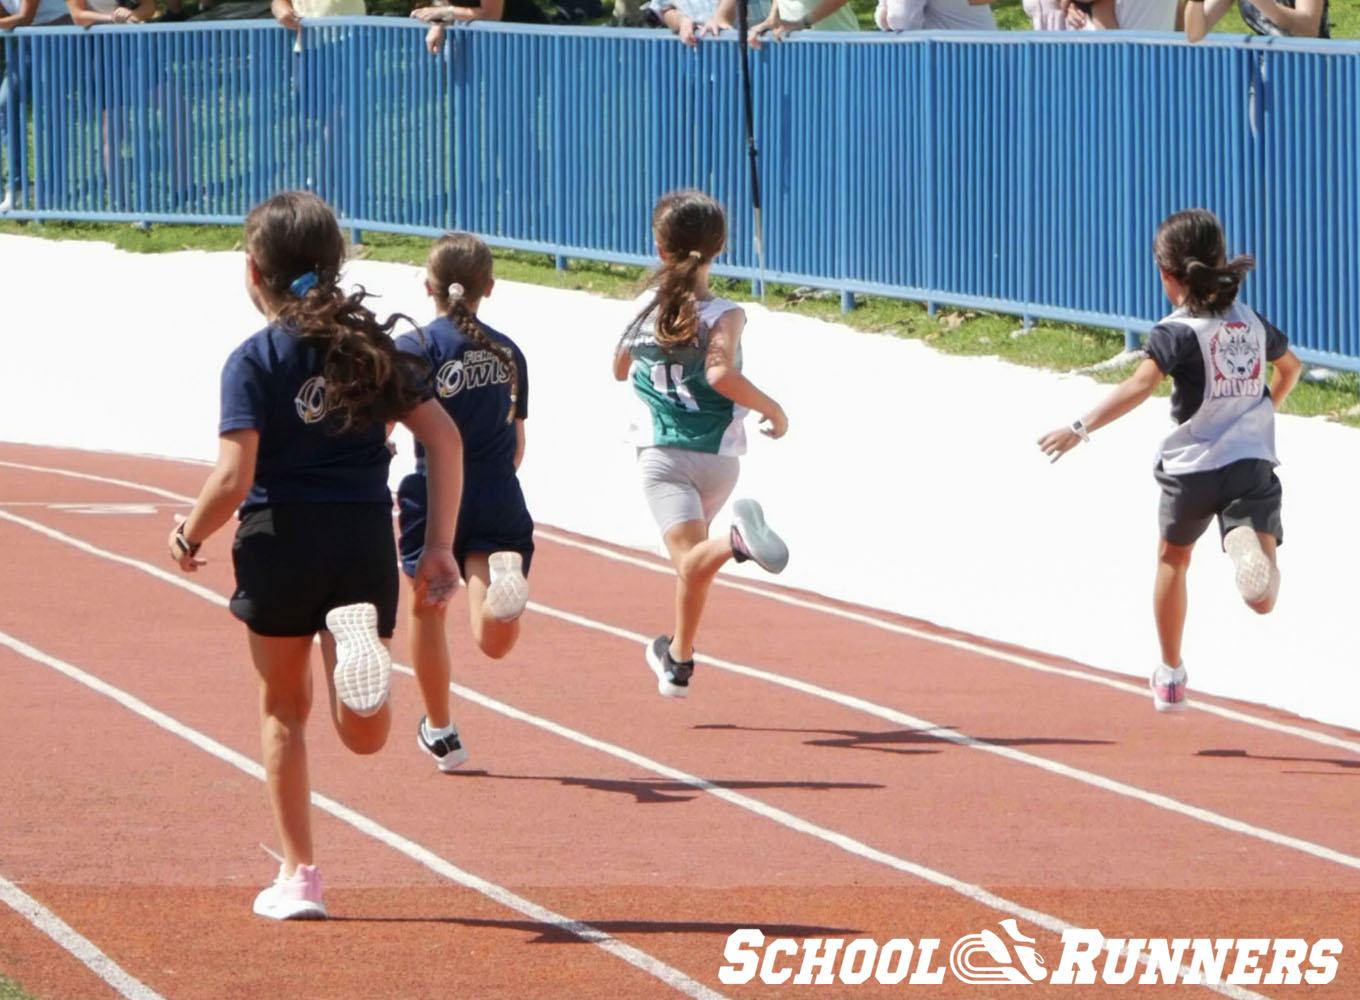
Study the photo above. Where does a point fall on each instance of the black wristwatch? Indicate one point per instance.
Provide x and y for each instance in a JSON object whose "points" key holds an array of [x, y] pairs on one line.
{"points": [[186, 547]]}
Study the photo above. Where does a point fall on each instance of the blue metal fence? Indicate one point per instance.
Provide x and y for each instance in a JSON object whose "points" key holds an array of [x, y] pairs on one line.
{"points": [[1020, 172]]}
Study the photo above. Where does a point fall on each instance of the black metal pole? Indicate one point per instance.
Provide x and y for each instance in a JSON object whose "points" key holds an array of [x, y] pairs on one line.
{"points": [[743, 28]]}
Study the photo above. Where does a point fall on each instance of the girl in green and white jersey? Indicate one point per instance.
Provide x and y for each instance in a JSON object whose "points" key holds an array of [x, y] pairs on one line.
{"points": [[683, 355]]}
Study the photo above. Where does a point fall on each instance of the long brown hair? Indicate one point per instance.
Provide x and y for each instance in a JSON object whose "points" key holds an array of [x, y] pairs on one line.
{"points": [[297, 247], [460, 272], [1190, 247], [690, 230]]}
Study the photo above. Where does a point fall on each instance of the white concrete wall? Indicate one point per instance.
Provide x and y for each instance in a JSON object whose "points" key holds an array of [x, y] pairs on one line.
{"points": [[909, 479]]}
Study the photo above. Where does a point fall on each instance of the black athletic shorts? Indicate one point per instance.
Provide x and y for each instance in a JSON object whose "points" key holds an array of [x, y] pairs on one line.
{"points": [[1245, 493], [493, 518], [295, 562]]}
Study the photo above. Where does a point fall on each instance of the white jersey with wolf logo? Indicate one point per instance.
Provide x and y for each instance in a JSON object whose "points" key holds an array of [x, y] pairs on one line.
{"points": [[1220, 400]]}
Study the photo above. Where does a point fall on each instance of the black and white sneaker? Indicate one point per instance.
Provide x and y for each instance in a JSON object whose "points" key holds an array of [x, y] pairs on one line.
{"points": [[752, 538], [672, 678], [446, 748]]}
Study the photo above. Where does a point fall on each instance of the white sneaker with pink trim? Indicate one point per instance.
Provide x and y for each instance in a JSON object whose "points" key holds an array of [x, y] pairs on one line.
{"points": [[297, 897], [1168, 688]]}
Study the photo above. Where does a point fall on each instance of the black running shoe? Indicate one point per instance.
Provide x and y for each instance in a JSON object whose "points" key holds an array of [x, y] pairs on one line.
{"points": [[447, 751], [672, 678]]}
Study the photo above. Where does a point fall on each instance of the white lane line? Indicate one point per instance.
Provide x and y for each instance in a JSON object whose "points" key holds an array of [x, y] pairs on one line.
{"points": [[850, 845], [1029, 663], [1155, 799], [672, 977], [72, 941]]}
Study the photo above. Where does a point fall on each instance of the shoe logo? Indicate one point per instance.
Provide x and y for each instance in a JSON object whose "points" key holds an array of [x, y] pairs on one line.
{"points": [[998, 961], [311, 400]]}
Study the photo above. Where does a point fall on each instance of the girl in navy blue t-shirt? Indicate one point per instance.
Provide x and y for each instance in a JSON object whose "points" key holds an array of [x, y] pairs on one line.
{"points": [[303, 454], [480, 378]]}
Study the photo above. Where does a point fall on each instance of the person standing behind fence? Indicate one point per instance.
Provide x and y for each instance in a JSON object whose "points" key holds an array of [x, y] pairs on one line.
{"points": [[289, 13], [440, 16], [695, 19], [1296, 18], [482, 381], [1219, 461], [682, 353], [788, 16], [935, 15], [302, 452], [1126, 15], [1047, 15], [16, 83], [88, 13]]}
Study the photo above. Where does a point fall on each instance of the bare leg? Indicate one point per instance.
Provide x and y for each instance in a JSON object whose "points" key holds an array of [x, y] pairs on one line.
{"points": [[697, 559], [494, 638], [362, 734], [430, 658], [285, 702], [1169, 599]]}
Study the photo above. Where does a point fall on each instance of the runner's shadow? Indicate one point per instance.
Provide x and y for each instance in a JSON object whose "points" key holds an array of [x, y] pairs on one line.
{"points": [[648, 791], [1244, 755], [549, 934], [902, 741]]}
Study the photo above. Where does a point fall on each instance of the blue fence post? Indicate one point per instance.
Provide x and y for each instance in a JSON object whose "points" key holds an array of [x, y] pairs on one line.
{"points": [[1133, 341], [560, 262], [847, 301], [356, 236]]}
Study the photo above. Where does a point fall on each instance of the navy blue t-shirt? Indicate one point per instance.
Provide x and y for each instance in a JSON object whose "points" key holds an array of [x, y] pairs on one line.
{"points": [[473, 385], [272, 383]]}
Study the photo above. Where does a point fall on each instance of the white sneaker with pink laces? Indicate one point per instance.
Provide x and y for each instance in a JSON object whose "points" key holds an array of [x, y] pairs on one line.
{"points": [[297, 897]]}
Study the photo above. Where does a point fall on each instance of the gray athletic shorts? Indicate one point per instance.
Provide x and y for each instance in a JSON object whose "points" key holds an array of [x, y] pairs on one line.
{"points": [[685, 485], [1245, 493]]}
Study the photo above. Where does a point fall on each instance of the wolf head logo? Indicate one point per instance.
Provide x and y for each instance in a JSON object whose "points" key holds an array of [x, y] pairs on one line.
{"points": [[1235, 353]]}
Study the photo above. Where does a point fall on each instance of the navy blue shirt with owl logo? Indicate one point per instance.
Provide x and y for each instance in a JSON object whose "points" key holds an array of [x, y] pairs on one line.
{"points": [[473, 385], [272, 383]]}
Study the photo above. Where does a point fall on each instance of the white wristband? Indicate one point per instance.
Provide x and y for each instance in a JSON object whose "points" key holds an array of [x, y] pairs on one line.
{"points": [[1079, 429]]}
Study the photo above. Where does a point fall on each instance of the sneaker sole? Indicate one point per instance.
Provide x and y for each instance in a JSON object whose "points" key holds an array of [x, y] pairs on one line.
{"points": [[664, 686], [1253, 570], [766, 548], [450, 761], [508, 591], [298, 910], [363, 667]]}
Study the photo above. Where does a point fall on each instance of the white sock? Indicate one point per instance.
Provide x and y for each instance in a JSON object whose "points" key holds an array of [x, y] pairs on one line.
{"points": [[437, 734], [1177, 673]]}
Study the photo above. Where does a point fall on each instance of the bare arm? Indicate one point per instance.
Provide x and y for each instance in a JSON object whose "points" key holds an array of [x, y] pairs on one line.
{"points": [[1102, 13], [1303, 20], [623, 363], [86, 18], [224, 490], [519, 443], [1201, 15], [285, 14], [720, 368], [437, 574], [491, 10], [1128, 395], [681, 25], [28, 10], [1288, 368]]}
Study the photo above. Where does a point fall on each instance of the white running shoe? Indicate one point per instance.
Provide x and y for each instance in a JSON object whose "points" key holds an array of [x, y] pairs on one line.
{"points": [[507, 592], [672, 677], [363, 667], [1168, 688], [752, 538], [448, 751], [295, 898], [1254, 571]]}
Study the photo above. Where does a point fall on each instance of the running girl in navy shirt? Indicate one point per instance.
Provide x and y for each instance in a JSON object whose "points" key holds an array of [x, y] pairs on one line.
{"points": [[480, 378], [682, 353], [1219, 462], [303, 454]]}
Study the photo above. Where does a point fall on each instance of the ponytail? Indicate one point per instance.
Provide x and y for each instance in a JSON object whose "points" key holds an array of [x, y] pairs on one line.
{"points": [[675, 305], [1190, 246], [462, 317]]}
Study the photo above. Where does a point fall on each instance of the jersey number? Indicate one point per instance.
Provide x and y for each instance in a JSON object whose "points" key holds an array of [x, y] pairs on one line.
{"points": [[669, 379]]}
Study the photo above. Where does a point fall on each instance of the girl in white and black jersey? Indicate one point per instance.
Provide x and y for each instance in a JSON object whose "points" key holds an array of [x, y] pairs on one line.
{"points": [[1219, 460]]}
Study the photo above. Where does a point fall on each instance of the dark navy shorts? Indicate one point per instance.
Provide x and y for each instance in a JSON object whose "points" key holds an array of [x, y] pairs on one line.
{"points": [[492, 518], [295, 562], [1245, 493]]}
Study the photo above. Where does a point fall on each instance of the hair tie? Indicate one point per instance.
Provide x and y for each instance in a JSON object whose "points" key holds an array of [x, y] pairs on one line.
{"points": [[455, 291], [303, 284], [696, 254]]}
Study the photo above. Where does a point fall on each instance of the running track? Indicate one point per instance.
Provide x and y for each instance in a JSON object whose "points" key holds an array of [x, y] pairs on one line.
{"points": [[836, 773]]}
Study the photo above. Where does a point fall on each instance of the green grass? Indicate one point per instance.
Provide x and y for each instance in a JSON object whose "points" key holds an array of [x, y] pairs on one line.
{"points": [[1060, 347], [10, 990]]}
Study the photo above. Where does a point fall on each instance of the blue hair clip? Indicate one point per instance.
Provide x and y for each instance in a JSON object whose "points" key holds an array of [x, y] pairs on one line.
{"points": [[303, 284]]}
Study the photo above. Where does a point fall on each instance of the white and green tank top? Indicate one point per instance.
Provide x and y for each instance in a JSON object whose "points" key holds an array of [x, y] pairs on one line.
{"points": [[684, 411]]}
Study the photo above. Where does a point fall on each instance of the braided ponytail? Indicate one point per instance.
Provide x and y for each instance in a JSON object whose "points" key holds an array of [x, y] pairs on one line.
{"points": [[460, 271]]}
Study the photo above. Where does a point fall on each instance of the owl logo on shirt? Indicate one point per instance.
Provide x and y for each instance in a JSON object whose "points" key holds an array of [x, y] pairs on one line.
{"points": [[1236, 357], [448, 381], [311, 400]]}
